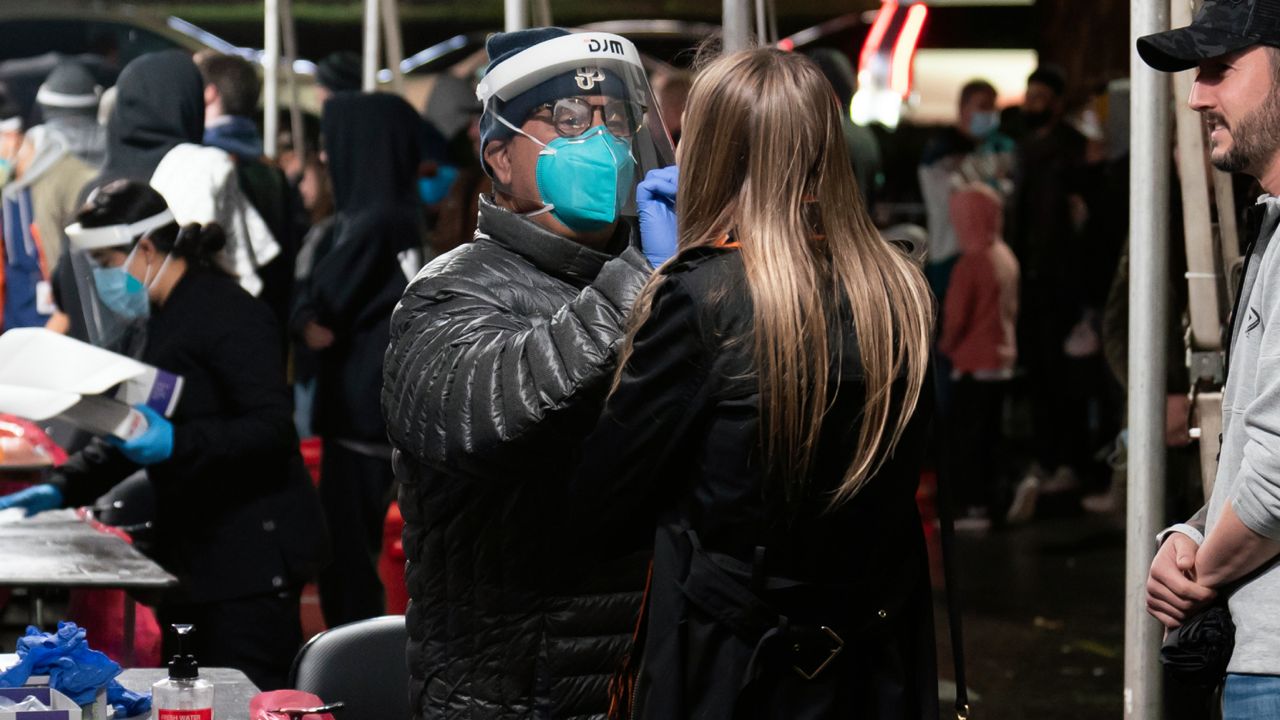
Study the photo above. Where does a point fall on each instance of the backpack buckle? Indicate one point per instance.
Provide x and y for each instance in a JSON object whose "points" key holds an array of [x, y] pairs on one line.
{"points": [[833, 643]]}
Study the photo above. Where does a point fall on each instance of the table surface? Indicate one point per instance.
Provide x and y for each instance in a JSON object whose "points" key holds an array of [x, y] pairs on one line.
{"points": [[232, 690], [60, 549]]}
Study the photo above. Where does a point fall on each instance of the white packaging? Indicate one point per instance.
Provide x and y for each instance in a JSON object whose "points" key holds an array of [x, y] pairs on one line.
{"points": [[45, 375]]}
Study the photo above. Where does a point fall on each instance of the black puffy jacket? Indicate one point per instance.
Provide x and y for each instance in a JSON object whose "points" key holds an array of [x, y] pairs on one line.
{"points": [[501, 353]]}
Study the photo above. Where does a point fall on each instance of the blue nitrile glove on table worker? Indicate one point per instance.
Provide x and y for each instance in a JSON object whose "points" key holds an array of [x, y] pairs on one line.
{"points": [[656, 202], [35, 499], [74, 669], [151, 447]]}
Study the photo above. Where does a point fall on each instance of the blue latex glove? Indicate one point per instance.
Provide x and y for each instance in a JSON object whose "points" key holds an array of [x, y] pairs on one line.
{"points": [[74, 669], [656, 201], [151, 447], [34, 499], [126, 702]]}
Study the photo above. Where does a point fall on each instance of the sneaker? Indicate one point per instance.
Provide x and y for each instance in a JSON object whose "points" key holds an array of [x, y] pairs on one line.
{"points": [[1023, 507], [972, 524], [1064, 480]]}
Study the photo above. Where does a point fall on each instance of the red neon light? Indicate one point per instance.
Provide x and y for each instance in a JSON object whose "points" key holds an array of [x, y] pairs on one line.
{"points": [[875, 36], [904, 50]]}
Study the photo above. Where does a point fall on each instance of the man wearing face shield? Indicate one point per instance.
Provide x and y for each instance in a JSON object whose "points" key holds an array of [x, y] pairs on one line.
{"points": [[501, 354]]}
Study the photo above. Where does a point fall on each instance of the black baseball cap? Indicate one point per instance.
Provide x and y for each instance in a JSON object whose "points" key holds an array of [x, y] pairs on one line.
{"points": [[1221, 27]]}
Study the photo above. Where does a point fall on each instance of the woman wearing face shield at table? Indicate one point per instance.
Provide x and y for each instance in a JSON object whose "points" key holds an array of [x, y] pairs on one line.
{"points": [[237, 520]]}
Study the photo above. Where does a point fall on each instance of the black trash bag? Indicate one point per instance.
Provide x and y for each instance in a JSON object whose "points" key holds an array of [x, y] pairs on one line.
{"points": [[1198, 652]]}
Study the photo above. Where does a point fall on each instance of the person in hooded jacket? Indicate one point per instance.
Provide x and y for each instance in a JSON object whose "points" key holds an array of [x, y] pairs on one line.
{"points": [[979, 337], [237, 520], [374, 248], [500, 355], [154, 136]]}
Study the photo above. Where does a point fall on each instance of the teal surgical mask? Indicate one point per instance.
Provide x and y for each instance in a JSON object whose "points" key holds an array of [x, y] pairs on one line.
{"points": [[584, 181], [982, 124], [122, 293], [432, 190]]}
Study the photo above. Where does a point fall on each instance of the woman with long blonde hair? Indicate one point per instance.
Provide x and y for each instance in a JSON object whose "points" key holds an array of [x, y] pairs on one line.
{"points": [[767, 419]]}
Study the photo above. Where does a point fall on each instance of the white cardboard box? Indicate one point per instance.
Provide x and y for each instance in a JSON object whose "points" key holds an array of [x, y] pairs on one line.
{"points": [[62, 706]]}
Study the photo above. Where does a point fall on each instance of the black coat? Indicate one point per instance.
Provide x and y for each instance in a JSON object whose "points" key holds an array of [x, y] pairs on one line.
{"points": [[501, 352], [372, 143], [678, 446], [236, 514]]}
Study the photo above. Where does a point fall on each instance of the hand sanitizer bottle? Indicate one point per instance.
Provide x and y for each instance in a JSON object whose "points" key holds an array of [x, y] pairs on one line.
{"points": [[183, 695]]}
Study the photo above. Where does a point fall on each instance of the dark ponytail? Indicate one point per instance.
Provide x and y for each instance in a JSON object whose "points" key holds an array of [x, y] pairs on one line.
{"points": [[200, 245]]}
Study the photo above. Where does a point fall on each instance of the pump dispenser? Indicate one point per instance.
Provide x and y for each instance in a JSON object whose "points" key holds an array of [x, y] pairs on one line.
{"points": [[183, 695]]}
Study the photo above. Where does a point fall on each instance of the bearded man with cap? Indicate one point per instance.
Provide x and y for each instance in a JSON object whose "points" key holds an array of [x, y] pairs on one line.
{"points": [[1232, 544], [501, 355]]}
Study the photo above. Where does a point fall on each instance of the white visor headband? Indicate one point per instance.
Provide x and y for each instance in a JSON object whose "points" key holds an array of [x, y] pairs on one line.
{"points": [[110, 236], [547, 59]]}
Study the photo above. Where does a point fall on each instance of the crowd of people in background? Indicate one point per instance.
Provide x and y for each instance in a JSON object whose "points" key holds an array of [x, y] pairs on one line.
{"points": [[1027, 221]]}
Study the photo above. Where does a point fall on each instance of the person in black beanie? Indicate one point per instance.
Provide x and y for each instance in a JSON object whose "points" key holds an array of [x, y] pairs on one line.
{"points": [[338, 72]]}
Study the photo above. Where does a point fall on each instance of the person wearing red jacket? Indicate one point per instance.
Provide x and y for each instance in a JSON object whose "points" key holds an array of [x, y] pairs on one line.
{"points": [[979, 318]]}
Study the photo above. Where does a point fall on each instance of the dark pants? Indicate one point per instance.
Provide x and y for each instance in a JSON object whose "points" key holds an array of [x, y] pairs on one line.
{"points": [[974, 437], [1060, 386], [354, 491], [257, 635]]}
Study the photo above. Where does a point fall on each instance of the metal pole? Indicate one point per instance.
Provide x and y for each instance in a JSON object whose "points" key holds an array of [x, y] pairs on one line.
{"points": [[542, 13], [516, 14], [395, 44], [1148, 312], [773, 21], [735, 26], [762, 24], [370, 76], [271, 77], [290, 31]]}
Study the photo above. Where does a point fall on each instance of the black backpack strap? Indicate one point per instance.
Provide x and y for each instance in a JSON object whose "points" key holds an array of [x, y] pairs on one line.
{"points": [[1253, 218], [946, 523]]}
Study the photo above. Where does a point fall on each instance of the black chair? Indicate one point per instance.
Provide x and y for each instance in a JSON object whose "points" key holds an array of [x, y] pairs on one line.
{"points": [[361, 664]]}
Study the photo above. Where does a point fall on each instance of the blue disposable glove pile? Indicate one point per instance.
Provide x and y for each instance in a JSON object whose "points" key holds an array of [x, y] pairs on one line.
{"points": [[656, 202], [34, 499], [126, 702], [151, 447], [74, 669]]}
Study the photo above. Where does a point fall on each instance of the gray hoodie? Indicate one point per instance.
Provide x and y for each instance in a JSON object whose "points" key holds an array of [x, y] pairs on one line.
{"points": [[1249, 465]]}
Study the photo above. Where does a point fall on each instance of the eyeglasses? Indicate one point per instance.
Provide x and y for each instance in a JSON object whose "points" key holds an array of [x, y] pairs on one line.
{"points": [[574, 115]]}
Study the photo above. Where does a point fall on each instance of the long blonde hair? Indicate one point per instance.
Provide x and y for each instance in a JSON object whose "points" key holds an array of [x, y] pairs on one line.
{"points": [[763, 159]]}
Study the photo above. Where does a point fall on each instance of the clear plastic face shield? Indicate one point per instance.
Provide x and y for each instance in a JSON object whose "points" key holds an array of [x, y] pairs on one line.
{"points": [[584, 100], [115, 303]]}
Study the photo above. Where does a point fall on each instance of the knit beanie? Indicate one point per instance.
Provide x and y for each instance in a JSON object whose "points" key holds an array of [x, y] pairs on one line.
{"points": [[70, 87], [340, 72]]}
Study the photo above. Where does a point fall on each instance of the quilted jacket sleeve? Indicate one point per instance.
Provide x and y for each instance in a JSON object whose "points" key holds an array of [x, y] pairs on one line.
{"points": [[469, 380]]}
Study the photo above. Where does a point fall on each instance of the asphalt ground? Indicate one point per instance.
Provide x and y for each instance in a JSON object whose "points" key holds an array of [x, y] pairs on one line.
{"points": [[1043, 619]]}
